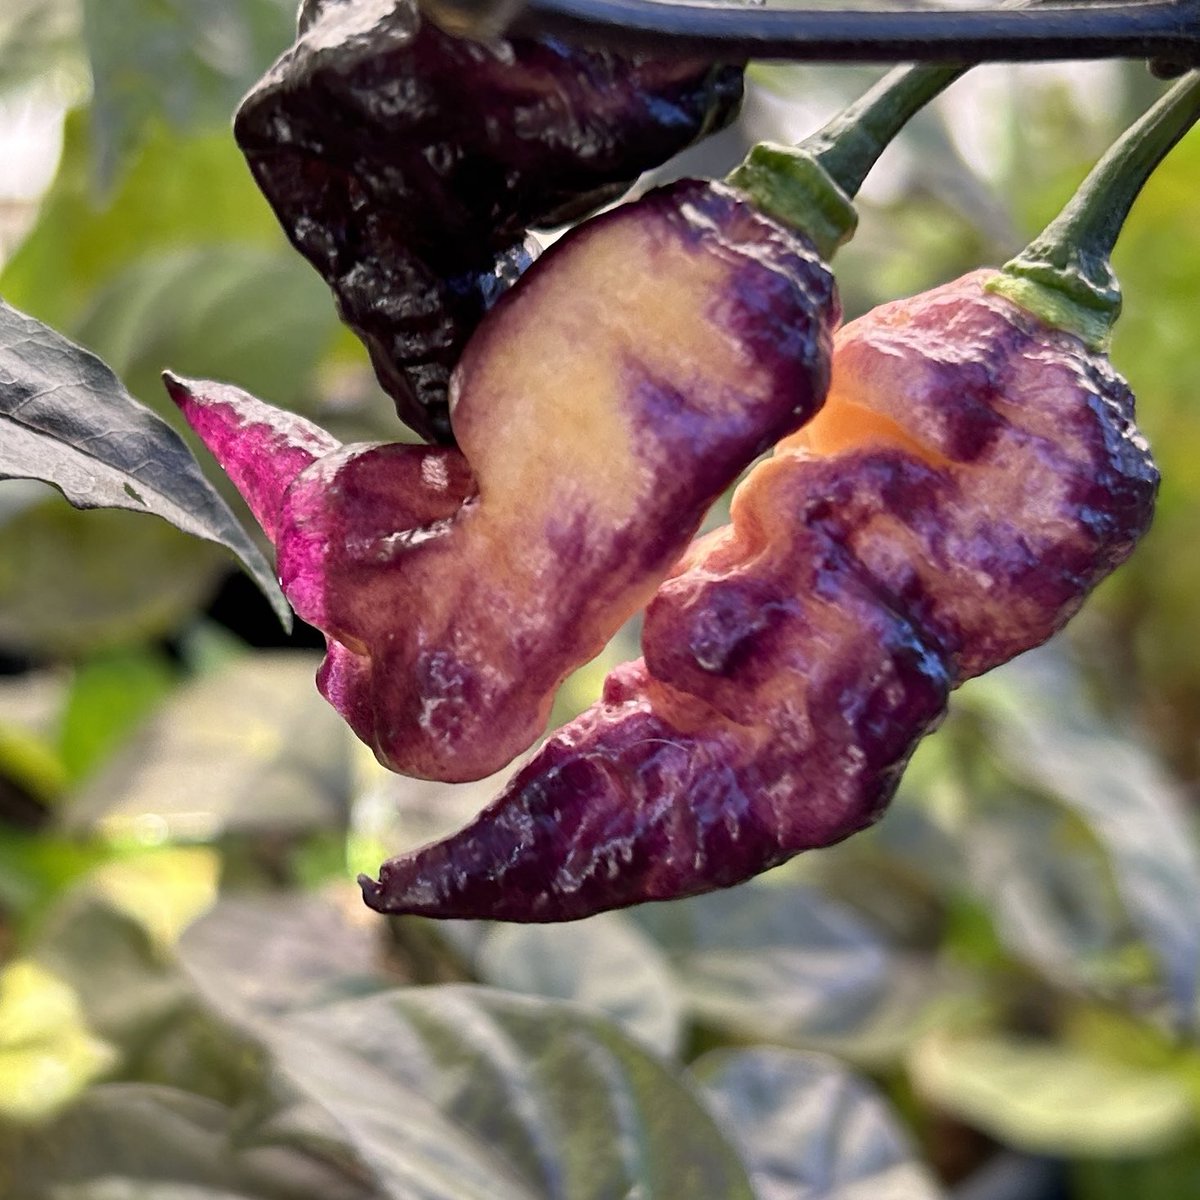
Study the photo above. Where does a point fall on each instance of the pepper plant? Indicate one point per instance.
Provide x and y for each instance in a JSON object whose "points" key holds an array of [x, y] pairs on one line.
{"points": [[990, 992]]}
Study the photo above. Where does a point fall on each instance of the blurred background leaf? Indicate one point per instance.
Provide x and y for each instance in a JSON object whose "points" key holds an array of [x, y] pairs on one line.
{"points": [[811, 1130]]}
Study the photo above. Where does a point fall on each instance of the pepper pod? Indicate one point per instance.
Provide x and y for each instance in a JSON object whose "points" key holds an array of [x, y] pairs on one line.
{"points": [[974, 473], [601, 406], [407, 165]]}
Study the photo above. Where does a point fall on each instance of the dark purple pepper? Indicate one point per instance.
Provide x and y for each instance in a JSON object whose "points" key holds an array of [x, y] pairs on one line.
{"points": [[408, 165]]}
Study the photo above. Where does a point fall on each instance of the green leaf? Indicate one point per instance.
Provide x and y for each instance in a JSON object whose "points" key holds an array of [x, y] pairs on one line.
{"points": [[38, 38], [73, 583], [461, 1093], [1024, 876], [605, 963], [254, 957], [1050, 1098], [259, 316], [176, 192], [132, 1141], [1174, 1175], [67, 420], [250, 748], [36, 868], [188, 62], [809, 1129], [784, 962], [1047, 737], [109, 696], [111, 938]]}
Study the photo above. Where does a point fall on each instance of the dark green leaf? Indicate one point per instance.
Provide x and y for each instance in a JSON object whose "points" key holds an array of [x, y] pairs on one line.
{"points": [[73, 583], [811, 1130], [605, 962], [68, 420], [1174, 1175], [784, 962], [460, 1093], [130, 1141]]}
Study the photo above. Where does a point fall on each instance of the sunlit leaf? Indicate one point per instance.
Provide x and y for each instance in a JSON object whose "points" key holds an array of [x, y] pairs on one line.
{"points": [[249, 748], [164, 891], [1051, 1098], [111, 937], [68, 420], [809, 1129], [175, 192], [47, 1053]]}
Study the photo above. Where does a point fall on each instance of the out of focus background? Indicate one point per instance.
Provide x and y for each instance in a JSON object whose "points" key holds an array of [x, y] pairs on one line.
{"points": [[990, 996]]}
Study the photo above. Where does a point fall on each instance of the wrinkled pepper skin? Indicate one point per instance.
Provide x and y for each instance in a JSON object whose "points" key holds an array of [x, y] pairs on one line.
{"points": [[971, 477], [601, 407], [407, 166]]}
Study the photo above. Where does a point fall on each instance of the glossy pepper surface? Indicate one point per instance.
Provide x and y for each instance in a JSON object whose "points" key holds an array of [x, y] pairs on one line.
{"points": [[973, 474], [602, 405], [407, 166]]}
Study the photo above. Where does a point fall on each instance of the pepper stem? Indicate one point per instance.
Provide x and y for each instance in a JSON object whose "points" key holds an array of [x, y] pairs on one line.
{"points": [[811, 186], [1064, 275]]}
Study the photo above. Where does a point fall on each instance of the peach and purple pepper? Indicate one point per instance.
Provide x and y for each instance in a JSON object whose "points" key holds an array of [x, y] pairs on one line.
{"points": [[602, 405]]}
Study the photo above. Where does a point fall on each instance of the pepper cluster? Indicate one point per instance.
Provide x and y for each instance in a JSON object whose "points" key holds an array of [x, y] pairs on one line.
{"points": [[973, 472], [972, 475]]}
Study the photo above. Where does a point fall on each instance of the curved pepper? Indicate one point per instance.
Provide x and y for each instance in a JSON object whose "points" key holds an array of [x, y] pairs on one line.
{"points": [[601, 407], [973, 474], [407, 165]]}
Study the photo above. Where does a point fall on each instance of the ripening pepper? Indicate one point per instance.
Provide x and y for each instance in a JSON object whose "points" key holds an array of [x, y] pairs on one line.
{"points": [[407, 166], [974, 473], [459, 587], [601, 406]]}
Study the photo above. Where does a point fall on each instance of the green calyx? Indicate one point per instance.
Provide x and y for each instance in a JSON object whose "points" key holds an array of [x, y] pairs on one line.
{"points": [[810, 187], [789, 184], [1064, 276], [1065, 287]]}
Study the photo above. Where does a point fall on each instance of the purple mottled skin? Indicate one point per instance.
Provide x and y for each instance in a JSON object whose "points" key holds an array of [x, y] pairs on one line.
{"points": [[600, 410], [407, 165], [973, 475]]}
